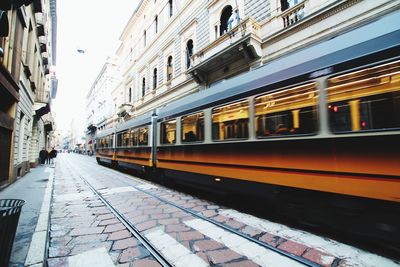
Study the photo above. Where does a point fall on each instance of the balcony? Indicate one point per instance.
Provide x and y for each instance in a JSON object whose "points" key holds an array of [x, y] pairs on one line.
{"points": [[40, 30], [40, 19], [43, 48], [33, 86], [45, 61], [27, 70], [293, 14], [243, 42]]}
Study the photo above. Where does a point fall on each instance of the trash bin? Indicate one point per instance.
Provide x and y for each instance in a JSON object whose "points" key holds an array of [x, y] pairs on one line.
{"points": [[10, 209]]}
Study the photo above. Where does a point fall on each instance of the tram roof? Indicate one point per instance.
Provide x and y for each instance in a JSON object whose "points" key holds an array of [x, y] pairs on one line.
{"points": [[136, 122], [376, 36], [104, 133], [132, 123]]}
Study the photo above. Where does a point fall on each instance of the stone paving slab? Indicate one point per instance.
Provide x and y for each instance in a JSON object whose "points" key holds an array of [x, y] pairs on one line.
{"points": [[84, 232]]}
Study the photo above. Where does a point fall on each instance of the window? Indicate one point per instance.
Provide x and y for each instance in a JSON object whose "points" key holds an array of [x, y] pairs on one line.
{"points": [[168, 132], [130, 95], [143, 136], [154, 78], [169, 68], [143, 86], [365, 100], [156, 24], [193, 127], [231, 121], [119, 140], [170, 8], [287, 112], [226, 13], [134, 137], [144, 38], [126, 139], [108, 141], [189, 52], [286, 4]]}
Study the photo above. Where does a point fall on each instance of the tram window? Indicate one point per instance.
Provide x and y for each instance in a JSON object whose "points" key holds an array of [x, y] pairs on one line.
{"points": [[231, 121], [143, 136], [119, 140], [193, 127], [168, 132], [134, 137], [287, 112], [125, 139], [365, 100]]}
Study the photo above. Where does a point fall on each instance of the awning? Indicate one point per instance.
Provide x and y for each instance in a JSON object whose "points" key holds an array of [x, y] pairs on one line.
{"points": [[42, 110]]}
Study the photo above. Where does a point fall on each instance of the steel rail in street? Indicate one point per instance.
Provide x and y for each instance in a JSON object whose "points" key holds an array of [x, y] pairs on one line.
{"points": [[131, 228], [223, 226], [234, 231]]}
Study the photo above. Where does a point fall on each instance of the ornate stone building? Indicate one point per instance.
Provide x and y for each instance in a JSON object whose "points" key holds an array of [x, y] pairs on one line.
{"points": [[29, 52], [171, 48], [100, 108]]}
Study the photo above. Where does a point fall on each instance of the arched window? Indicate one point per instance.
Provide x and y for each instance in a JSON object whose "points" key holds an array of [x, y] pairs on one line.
{"points": [[144, 38], [130, 95], [189, 52], [156, 24], [143, 86], [170, 8], [226, 13], [155, 78], [169, 68]]}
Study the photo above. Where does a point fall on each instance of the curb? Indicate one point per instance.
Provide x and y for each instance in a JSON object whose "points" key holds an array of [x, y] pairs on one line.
{"points": [[37, 253]]}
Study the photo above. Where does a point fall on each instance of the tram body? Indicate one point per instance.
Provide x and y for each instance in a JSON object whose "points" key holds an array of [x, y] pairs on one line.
{"points": [[323, 122]]}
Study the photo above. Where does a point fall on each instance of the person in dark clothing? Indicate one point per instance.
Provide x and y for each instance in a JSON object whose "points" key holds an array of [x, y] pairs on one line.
{"points": [[48, 157], [52, 155], [43, 154]]}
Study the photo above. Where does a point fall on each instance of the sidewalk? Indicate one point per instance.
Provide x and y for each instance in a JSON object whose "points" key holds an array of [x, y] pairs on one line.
{"points": [[32, 189]]}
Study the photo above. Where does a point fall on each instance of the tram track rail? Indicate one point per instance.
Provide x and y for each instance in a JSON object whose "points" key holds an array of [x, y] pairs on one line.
{"points": [[196, 214], [234, 231], [130, 227]]}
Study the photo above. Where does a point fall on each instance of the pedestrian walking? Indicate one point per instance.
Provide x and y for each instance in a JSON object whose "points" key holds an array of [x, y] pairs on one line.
{"points": [[43, 154], [48, 157], [52, 155]]}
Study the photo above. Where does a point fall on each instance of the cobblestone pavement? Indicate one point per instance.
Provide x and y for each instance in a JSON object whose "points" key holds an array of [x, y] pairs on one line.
{"points": [[80, 222]]}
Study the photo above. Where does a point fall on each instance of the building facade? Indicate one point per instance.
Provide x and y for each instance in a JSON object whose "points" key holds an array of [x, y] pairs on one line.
{"points": [[172, 48], [29, 52], [100, 108]]}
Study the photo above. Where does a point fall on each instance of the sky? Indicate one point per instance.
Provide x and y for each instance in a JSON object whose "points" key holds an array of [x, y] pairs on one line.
{"points": [[95, 27]]}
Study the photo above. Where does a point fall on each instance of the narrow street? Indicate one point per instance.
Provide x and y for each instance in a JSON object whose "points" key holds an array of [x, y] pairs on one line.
{"points": [[102, 217], [200, 133]]}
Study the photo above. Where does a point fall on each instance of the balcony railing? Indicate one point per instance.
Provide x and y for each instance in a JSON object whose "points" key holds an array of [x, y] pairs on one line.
{"points": [[40, 19], [245, 28], [293, 14]]}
